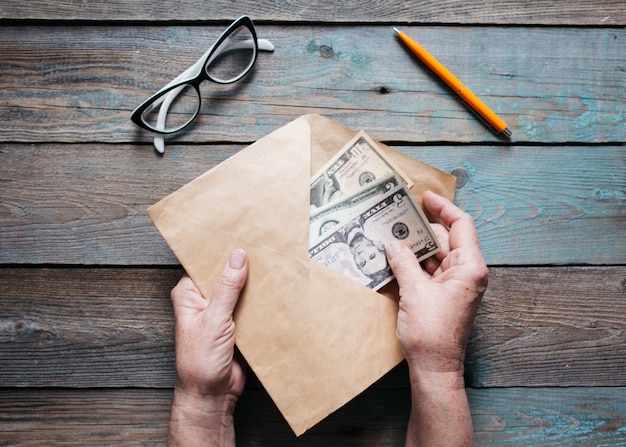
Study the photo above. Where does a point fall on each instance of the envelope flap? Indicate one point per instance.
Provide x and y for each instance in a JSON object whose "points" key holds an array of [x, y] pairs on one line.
{"points": [[260, 194]]}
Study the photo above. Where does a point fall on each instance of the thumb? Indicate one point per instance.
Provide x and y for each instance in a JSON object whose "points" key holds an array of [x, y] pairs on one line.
{"points": [[405, 267], [230, 283]]}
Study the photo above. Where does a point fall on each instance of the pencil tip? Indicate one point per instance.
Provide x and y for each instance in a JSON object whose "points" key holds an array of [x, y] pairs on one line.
{"points": [[396, 30]]}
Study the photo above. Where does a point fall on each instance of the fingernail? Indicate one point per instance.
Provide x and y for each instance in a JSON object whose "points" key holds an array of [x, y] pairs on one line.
{"points": [[237, 259]]}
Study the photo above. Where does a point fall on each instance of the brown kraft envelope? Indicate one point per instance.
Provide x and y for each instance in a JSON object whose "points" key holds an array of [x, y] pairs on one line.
{"points": [[314, 338]]}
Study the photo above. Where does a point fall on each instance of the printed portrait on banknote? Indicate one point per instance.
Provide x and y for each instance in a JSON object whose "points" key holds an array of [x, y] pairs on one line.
{"points": [[356, 247]]}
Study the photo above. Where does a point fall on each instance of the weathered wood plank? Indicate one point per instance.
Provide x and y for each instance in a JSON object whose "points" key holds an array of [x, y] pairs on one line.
{"points": [[582, 12], [553, 324], [554, 205], [112, 327], [87, 418], [129, 417], [79, 84], [549, 417], [90, 331], [93, 327], [72, 204]]}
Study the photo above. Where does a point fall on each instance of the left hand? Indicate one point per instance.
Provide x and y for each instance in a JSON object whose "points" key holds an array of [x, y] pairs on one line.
{"points": [[206, 367]]}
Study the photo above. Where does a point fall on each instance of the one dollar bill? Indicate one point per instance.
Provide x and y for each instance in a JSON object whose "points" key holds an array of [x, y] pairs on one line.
{"points": [[358, 163], [326, 218], [356, 248]]}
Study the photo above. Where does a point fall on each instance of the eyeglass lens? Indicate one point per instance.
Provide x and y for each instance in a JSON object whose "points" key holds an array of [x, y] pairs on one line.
{"points": [[178, 106], [234, 57], [181, 105]]}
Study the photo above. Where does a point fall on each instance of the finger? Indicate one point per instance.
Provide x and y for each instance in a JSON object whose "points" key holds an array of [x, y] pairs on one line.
{"points": [[230, 283], [404, 264], [186, 295], [461, 224], [462, 236], [184, 283], [431, 265], [443, 237]]}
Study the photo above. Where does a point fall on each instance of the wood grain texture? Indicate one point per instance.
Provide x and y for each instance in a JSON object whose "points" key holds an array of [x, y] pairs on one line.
{"points": [[77, 204], [87, 328], [549, 417], [377, 418], [113, 327], [79, 84], [86, 325], [581, 12], [556, 325]]}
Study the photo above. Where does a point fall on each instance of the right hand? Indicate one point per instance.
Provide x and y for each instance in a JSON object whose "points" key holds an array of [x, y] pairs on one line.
{"points": [[438, 302]]}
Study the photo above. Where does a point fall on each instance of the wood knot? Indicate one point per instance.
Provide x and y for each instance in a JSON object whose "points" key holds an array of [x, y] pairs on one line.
{"points": [[22, 329], [326, 52], [462, 177]]}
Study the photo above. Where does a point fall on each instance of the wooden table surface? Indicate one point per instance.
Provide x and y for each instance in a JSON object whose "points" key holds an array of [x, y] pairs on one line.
{"points": [[86, 330]]}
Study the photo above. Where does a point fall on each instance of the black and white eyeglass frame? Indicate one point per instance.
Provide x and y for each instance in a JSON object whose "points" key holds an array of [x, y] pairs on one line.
{"points": [[193, 77]]}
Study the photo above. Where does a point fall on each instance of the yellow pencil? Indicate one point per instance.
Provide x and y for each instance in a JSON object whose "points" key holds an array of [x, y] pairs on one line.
{"points": [[457, 86]]}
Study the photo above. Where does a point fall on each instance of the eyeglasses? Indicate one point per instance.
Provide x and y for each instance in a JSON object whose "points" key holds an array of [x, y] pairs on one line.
{"points": [[176, 105]]}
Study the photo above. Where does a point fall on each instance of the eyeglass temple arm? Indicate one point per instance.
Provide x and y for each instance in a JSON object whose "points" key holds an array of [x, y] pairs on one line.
{"points": [[265, 45], [159, 140]]}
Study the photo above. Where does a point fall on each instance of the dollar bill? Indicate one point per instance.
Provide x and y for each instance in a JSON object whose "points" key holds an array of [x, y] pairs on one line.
{"points": [[356, 248], [327, 217], [359, 162]]}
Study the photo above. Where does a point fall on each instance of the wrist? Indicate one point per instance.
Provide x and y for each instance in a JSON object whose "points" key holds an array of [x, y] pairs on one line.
{"points": [[427, 384], [201, 403], [441, 375], [201, 420], [440, 414]]}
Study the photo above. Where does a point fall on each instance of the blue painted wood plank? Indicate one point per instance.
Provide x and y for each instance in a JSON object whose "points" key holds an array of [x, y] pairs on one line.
{"points": [[549, 416], [549, 84], [541, 204], [532, 205]]}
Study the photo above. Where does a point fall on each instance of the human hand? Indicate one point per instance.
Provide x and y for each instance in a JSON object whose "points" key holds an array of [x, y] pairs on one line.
{"points": [[209, 379], [438, 301]]}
